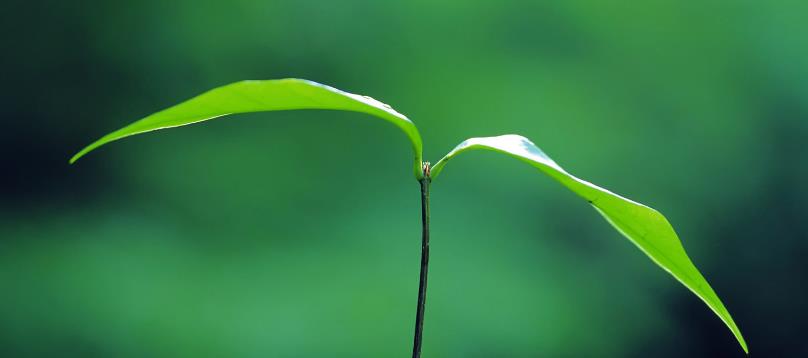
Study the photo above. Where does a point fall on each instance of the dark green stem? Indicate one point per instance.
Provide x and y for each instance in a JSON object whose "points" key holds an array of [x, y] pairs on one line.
{"points": [[419, 318]]}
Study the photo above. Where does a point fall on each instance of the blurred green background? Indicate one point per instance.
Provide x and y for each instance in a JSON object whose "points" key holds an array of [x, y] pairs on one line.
{"points": [[260, 235]]}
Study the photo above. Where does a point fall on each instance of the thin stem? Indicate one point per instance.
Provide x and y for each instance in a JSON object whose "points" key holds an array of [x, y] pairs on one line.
{"points": [[419, 318]]}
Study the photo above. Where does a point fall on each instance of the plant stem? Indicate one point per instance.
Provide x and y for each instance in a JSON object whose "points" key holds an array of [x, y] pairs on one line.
{"points": [[419, 318]]}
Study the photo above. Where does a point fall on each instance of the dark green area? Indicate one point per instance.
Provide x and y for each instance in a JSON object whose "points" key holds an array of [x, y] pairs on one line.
{"points": [[253, 236]]}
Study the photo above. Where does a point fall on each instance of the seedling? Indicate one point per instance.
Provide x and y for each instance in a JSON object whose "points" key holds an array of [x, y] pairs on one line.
{"points": [[643, 226]]}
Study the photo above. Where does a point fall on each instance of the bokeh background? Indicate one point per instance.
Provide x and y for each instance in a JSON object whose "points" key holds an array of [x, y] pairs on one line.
{"points": [[296, 234]]}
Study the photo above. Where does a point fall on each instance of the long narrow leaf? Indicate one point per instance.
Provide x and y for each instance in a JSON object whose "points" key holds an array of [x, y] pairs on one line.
{"points": [[269, 95], [643, 226]]}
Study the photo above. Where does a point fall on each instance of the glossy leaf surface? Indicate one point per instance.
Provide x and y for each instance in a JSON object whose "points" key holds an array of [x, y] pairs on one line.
{"points": [[649, 230], [268, 95]]}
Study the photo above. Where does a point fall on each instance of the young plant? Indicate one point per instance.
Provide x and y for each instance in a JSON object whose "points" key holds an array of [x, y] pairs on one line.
{"points": [[643, 226]]}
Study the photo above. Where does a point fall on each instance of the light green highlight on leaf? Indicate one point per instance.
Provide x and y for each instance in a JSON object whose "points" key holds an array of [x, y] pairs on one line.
{"points": [[268, 95], [649, 230]]}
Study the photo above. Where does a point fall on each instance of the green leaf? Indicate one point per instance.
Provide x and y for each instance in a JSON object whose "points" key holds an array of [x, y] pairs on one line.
{"points": [[269, 95], [643, 226]]}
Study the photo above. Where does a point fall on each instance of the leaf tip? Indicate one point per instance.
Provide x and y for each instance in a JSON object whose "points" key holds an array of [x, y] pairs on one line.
{"points": [[743, 345], [81, 153]]}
